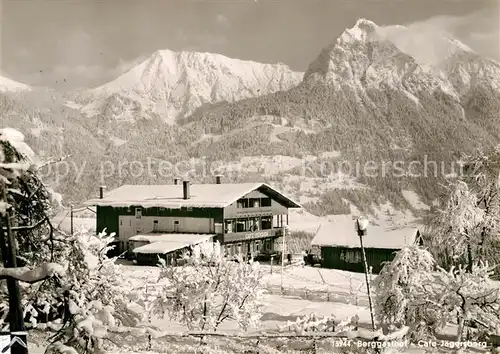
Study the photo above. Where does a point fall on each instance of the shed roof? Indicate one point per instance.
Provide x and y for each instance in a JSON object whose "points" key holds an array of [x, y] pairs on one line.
{"points": [[166, 243], [201, 195], [342, 233], [160, 247]]}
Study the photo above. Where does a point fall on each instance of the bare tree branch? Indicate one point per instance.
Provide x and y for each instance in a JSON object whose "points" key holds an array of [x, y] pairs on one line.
{"points": [[29, 227]]}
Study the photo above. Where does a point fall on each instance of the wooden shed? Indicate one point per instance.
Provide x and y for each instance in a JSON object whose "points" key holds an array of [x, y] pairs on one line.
{"points": [[341, 249]]}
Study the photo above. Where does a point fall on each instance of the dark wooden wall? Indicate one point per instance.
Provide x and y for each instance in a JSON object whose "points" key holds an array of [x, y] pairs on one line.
{"points": [[332, 258]]}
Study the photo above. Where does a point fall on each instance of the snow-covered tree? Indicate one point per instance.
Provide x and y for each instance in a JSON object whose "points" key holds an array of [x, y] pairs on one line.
{"points": [[400, 293], [412, 291], [98, 303], [483, 177], [466, 227], [469, 297], [210, 289], [455, 233], [53, 277]]}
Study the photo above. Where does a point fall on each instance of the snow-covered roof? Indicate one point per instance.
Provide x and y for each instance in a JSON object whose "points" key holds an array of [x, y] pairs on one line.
{"points": [[201, 195], [166, 243], [342, 233], [161, 247]]}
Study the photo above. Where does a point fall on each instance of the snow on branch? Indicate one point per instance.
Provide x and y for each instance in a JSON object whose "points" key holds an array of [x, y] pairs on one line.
{"points": [[15, 166], [42, 272], [52, 161]]}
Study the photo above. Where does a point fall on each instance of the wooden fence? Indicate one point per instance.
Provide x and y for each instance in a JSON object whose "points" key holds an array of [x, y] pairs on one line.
{"points": [[353, 294], [319, 295]]}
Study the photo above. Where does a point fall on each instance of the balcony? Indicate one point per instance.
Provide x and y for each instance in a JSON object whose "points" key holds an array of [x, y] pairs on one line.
{"points": [[254, 210], [252, 235]]}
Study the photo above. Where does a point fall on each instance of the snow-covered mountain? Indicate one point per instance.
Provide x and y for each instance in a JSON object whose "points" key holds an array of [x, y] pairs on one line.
{"points": [[426, 45], [368, 83], [446, 57], [174, 84], [364, 58], [467, 71], [8, 85]]}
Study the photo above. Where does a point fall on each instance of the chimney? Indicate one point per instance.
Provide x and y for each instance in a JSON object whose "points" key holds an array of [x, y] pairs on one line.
{"points": [[218, 179], [185, 189], [176, 180], [101, 192]]}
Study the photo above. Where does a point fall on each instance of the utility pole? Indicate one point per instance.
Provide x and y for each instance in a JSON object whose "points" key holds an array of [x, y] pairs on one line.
{"points": [[149, 318], [16, 316], [361, 228], [71, 217], [283, 255]]}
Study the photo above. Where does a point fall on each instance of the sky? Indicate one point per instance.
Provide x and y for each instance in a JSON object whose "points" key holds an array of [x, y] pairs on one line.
{"points": [[68, 44]]}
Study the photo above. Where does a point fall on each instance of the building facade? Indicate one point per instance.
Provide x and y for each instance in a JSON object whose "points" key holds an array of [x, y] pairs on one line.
{"points": [[247, 218], [341, 248]]}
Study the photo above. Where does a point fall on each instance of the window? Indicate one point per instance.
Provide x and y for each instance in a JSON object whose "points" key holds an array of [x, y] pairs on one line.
{"points": [[265, 202], [254, 203], [138, 213], [266, 222], [254, 224], [257, 245], [240, 226], [228, 226], [276, 221], [350, 256], [242, 203], [155, 225], [121, 222]]}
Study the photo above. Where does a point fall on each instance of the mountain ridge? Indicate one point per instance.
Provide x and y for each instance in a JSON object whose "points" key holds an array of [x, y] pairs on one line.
{"points": [[173, 84]]}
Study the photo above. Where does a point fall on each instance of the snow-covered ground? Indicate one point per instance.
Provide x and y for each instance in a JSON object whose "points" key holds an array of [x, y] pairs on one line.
{"points": [[278, 309]]}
